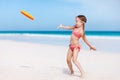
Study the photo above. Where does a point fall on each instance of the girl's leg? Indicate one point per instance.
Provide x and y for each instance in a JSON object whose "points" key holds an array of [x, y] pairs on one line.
{"points": [[69, 63], [75, 61]]}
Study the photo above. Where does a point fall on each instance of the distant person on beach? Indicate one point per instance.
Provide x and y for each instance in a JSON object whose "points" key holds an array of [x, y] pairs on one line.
{"points": [[74, 46]]}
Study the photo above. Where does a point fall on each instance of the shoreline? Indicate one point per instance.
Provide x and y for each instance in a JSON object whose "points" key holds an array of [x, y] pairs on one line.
{"points": [[60, 35], [104, 44]]}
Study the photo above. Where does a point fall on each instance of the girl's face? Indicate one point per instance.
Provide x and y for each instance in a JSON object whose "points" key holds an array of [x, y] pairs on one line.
{"points": [[78, 22]]}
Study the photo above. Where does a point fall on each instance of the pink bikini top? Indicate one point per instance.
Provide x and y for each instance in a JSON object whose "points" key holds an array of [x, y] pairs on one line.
{"points": [[76, 33]]}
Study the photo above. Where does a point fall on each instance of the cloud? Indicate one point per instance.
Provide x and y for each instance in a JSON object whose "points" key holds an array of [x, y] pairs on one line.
{"points": [[100, 8]]}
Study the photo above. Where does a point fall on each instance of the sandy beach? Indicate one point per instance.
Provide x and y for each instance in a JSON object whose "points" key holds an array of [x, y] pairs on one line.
{"points": [[31, 61]]}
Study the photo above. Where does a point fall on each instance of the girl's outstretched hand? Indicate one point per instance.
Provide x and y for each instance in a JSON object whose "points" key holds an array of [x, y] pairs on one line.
{"points": [[92, 48], [60, 26]]}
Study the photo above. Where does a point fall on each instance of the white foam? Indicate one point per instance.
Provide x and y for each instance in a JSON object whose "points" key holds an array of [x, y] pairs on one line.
{"points": [[68, 36], [61, 36], [105, 37], [47, 35]]}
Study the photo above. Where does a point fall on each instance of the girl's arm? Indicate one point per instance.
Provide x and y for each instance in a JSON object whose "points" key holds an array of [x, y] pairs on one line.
{"points": [[87, 42], [66, 27]]}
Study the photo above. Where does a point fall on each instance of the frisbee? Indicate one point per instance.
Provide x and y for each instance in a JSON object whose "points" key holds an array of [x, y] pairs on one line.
{"points": [[27, 14]]}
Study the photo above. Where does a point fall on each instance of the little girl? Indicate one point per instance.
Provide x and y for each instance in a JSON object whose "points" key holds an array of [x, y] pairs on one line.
{"points": [[74, 46]]}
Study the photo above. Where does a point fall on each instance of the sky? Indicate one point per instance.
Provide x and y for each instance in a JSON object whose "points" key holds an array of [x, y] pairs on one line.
{"points": [[102, 15]]}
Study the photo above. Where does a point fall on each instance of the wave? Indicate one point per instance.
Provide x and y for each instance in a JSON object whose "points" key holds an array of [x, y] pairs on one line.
{"points": [[60, 36], [104, 37], [63, 40]]}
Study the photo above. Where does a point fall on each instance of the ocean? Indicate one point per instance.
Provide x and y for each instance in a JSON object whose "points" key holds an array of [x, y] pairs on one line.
{"points": [[107, 41], [88, 33]]}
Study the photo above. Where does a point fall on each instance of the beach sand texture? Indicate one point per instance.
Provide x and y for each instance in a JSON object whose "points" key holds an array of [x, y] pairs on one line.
{"points": [[30, 61]]}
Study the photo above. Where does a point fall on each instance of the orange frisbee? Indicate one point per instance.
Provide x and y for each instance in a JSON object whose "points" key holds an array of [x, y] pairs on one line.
{"points": [[27, 14]]}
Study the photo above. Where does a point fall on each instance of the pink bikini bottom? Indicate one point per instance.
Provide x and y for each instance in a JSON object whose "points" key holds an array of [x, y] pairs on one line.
{"points": [[72, 47]]}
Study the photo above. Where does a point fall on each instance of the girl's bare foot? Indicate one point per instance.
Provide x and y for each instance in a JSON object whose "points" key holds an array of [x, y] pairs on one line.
{"points": [[83, 76], [72, 72]]}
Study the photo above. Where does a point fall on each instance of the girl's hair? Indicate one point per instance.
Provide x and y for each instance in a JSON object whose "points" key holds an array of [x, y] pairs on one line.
{"points": [[82, 18]]}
